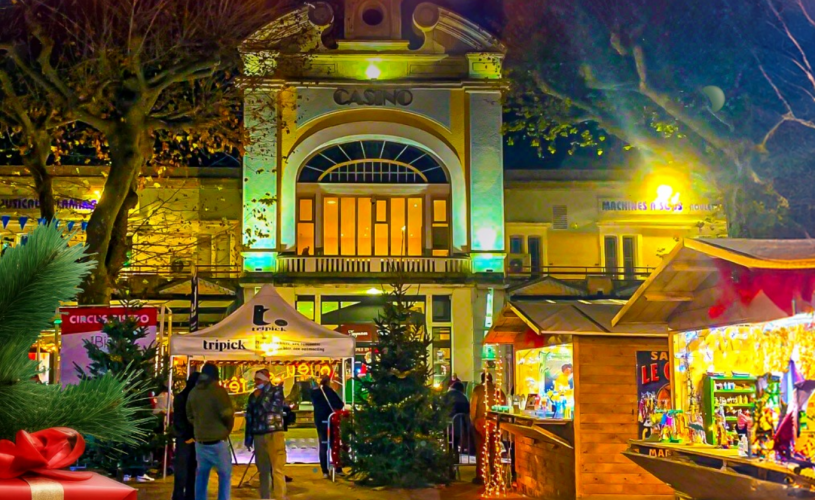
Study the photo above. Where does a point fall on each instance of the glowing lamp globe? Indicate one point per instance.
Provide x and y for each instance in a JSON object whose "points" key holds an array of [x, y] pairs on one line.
{"points": [[373, 72]]}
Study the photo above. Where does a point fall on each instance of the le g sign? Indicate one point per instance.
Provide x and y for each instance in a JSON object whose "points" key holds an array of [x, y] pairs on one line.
{"points": [[371, 97]]}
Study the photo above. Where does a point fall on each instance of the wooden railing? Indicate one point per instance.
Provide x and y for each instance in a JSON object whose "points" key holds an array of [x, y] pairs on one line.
{"points": [[291, 264]]}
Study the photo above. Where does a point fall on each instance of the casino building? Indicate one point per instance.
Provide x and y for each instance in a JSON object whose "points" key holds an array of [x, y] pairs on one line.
{"points": [[377, 155], [376, 151]]}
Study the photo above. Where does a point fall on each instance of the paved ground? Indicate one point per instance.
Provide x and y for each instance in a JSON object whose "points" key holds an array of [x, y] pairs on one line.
{"points": [[309, 484]]}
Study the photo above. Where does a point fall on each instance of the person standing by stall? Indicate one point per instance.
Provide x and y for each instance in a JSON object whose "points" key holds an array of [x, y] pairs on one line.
{"points": [[210, 411], [483, 397], [325, 401], [185, 462], [265, 430], [460, 416]]}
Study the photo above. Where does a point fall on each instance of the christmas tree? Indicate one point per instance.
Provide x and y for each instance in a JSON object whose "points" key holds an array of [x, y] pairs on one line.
{"points": [[125, 354], [35, 279], [397, 435]]}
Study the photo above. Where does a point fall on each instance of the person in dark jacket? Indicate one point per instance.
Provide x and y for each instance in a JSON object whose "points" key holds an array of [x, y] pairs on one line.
{"points": [[265, 430], [185, 462], [325, 401], [210, 411], [460, 416]]}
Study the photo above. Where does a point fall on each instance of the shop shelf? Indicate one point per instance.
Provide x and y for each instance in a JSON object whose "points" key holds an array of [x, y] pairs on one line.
{"points": [[735, 391]]}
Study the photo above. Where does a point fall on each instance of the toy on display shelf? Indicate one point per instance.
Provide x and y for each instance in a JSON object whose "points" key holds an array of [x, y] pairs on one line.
{"points": [[669, 426], [765, 417], [723, 398]]}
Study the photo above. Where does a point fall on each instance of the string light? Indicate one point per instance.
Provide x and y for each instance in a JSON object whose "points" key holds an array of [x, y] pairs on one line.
{"points": [[493, 472]]}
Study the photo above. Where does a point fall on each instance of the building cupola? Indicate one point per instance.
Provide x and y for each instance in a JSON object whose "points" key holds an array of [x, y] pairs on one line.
{"points": [[373, 19]]}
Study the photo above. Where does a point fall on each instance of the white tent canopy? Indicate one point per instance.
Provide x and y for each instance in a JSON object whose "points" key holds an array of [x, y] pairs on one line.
{"points": [[266, 327]]}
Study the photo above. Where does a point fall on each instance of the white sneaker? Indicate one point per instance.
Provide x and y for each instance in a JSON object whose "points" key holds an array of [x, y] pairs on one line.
{"points": [[126, 478], [326, 476], [144, 479]]}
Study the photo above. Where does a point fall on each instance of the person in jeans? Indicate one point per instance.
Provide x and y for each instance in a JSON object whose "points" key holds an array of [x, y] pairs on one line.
{"points": [[325, 401], [185, 463], [210, 412], [265, 430]]}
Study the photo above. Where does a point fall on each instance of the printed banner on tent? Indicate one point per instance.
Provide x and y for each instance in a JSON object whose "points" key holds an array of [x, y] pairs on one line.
{"points": [[85, 323]]}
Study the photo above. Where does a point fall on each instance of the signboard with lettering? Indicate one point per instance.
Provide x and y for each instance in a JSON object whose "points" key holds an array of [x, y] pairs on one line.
{"points": [[653, 388], [667, 201], [654, 207], [373, 97], [34, 204], [85, 323], [362, 332]]}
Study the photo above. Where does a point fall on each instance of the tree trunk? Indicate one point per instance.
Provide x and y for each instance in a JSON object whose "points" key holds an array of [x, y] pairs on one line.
{"points": [[754, 209], [130, 146], [117, 253], [36, 162]]}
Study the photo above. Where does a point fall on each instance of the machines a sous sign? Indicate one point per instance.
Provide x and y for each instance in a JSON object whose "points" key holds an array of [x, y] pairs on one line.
{"points": [[261, 325]]}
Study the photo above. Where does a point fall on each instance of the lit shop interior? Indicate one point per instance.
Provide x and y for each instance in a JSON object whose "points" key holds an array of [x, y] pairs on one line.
{"points": [[717, 373], [544, 384]]}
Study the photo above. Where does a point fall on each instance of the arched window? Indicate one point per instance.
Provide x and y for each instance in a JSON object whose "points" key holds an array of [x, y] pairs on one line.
{"points": [[373, 162], [372, 198]]}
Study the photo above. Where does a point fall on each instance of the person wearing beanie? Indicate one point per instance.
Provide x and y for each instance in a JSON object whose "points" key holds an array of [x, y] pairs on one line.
{"points": [[212, 416], [265, 427]]}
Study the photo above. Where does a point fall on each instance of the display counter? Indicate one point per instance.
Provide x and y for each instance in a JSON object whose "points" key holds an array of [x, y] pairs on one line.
{"points": [[709, 472], [544, 452]]}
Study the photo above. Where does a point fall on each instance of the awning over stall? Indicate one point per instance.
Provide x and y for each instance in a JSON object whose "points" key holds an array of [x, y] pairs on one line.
{"points": [[265, 327], [519, 319], [711, 283]]}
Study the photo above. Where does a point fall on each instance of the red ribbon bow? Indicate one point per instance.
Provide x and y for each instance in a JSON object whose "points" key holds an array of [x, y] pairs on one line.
{"points": [[43, 453]]}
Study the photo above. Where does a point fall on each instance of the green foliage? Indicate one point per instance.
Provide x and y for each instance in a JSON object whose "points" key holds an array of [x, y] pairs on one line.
{"points": [[122, 356], [397, 437], [36, 278]]}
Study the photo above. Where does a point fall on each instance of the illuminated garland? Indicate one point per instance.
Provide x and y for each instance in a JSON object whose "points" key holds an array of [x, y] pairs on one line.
{"points": [[492, 472]]}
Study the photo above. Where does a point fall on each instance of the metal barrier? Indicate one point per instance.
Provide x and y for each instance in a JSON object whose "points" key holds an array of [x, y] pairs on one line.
{"points": [[461, 441]]}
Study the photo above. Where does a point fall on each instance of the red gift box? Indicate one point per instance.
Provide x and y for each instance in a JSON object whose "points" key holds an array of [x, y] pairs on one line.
{"points": [[30, 469], [38, 487]]}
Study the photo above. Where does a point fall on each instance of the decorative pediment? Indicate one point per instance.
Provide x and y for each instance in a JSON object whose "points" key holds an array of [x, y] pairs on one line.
{"points": [[448, 32], [297, 32]]}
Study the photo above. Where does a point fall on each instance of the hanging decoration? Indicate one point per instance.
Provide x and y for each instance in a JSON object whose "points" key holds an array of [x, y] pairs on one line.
{"points": [[5, 220], [787, 289], [71, 225], [23, 221], [84, 225], [42, 221]]}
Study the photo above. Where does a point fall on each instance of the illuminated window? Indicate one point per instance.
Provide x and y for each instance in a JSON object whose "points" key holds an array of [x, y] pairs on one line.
{"points": [[305, 306], [331, 226], [398, 226], [441, 229], [364, 226], [348, 224], [305, 227], [381, 246], [415, 216]]}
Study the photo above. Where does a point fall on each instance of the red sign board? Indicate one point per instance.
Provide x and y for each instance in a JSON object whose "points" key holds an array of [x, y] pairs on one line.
{"points": [[80, 324]]}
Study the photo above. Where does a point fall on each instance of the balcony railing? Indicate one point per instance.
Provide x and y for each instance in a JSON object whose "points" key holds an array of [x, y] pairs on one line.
{"points": [[182, 271], [580, 273], [292, 264]]}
